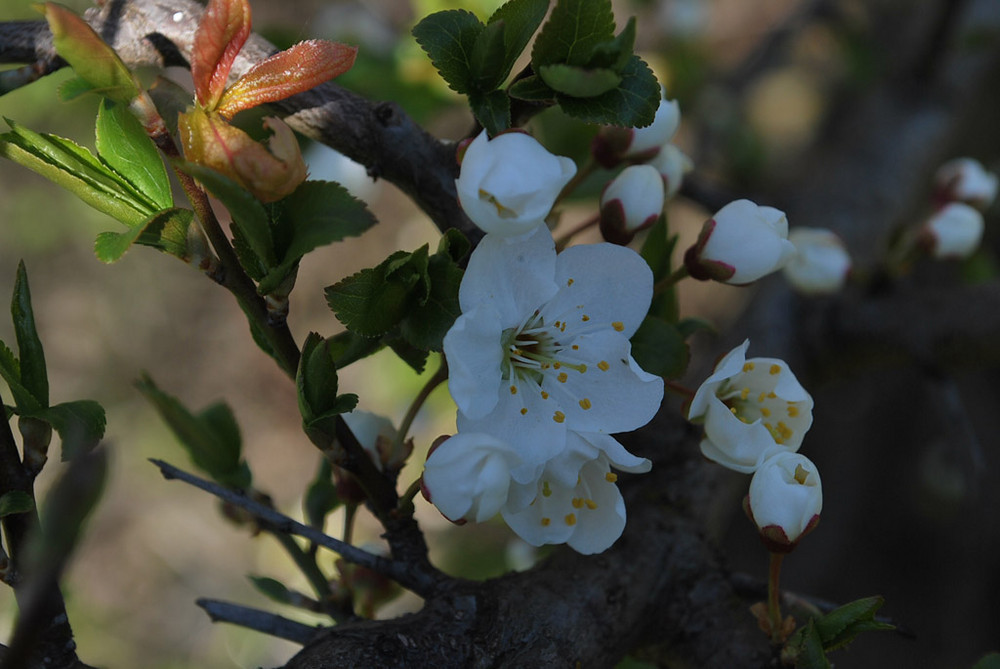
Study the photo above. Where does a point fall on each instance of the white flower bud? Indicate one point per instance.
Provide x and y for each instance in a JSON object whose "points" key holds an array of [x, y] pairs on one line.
{"points": [[820, 264], [507, 185], [672, 164], [966, 180], [785, 500], [375, 434], [612, 145], [632, 201], [740, 244], [467, 477], [954, 231]]}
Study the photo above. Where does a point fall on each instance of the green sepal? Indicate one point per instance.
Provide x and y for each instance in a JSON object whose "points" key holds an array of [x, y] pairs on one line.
{"points": [[660, 349], [165, 230], [449, 39], [656, 251], [124, 146], [33, 374], [632, 104], [492, 110], [15, 501], [321, 497], [579, 82], [211, 437], [73, 167]]}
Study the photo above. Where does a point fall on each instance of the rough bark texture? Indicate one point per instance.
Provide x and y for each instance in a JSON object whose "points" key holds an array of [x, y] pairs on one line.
{"points": [[662, 586]]}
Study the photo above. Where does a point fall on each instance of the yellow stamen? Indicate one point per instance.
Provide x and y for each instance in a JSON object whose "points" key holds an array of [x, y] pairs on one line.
{"points": [[603, 365], [559, 416], [546, 490], [546, 522], [745, 393], [577, 502], [618, 326], [585, 318], [571, 519], [524, 411], [569, 282], [801, 474], [771, 395], [575, 347], [775, 369], [585, 404], [545, 395], [513, 390], [611, 477], [762, 397], [563, 376], [765, 412], [591, 504], [748, 367], [556, 365], [793, 411]]}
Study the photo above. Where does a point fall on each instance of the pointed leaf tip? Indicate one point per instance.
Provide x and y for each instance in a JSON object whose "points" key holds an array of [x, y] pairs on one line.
{"points": [[224, 29]]}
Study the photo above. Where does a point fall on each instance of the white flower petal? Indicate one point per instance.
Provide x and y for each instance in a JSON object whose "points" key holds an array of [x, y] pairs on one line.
{"points": [[472, 347], [468, 476], [730, 365], [786, 491]]}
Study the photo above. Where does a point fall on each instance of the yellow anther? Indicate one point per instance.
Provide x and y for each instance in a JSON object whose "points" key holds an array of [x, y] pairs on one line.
{"points": [[748, 367], [546, 522], [569, 282], [546, 490], [585, 318], [618, 326], [575, 347], [563, 376], [577, 502], [591, 504], [775, 369], [585, 404], [571, 519], [558, 416], [771, 395], [801, 474], [793, 411], [765, 412], [611, 477], [524, 411], [762, 397], [603, 365], [545, 395], [745, 393], [556, 365], [732, 410], [513, 390], [562, 328]]}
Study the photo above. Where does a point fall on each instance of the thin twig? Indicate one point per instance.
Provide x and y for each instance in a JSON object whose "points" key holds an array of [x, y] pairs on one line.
{"points": [[257, 620]]}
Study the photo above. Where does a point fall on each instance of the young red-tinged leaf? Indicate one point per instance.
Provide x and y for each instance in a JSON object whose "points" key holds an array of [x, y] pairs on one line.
{"points": [[224, 28], [90, 57], [297, 69]]}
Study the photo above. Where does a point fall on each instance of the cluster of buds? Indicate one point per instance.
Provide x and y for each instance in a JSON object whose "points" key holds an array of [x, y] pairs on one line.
{"points": [[963, 189], [755, 414], [634, 199]]}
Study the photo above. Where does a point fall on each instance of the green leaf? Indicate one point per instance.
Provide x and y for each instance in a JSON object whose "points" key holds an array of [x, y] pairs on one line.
{"points": [[656, 251], [449, 38], [321, 496], [73, 167], [574, 30], [454, 244], [632, 104], [80, 425], [492, 110], [416, 358], [988, 661], [488, 58], [10, 369], [660, 349], [426, 325], [165, 230], [211, 438], [688, 326], [316, 214], [15, 501], [127, 149], [249, 260], [579, 82], [616, 53], [806, 648], [521, 19], [348, 347], [73, 88], [532, 89], [273, 589], [248, 213], [839, 627], [316, 379], [373, 301], [34, 376]]}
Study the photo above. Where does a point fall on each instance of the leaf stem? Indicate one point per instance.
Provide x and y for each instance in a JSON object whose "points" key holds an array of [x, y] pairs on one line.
{"points": [[774, 598], [668, 282], [581, 175], [407, 497], [411, 414], [565, 239]]}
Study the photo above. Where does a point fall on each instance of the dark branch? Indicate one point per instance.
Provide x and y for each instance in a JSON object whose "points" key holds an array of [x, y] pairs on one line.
{"points": [[255, 619]]}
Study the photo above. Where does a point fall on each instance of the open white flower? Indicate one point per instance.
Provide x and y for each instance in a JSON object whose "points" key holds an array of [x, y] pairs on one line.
{"points": [[542, 345], [966, 180], [785, 500], [750, 409], [954, 231], [820, 264], [468, 475], [740, 244], [507, 185]]}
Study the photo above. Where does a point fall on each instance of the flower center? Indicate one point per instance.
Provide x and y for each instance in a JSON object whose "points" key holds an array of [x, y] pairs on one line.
{"points": [[533, 349], [502, 211]]}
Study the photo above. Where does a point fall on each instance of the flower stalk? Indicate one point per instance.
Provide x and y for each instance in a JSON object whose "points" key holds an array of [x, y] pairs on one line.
{"points": [[774, 598]]}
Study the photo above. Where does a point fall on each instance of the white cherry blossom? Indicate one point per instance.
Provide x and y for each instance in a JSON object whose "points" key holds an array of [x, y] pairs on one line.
{"points": [[750, 410], [468, 475], [966, 180], [507, 185], [785, 499], [820, 264], [954, 231]]}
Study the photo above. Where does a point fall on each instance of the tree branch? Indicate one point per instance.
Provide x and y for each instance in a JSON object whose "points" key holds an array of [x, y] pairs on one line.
{"points": [[260, 621]]}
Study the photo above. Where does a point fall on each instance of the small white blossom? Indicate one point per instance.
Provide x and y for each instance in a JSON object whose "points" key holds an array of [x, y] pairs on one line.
{"points": [[507, 185], [740, 244], [468, 475], [785, 500], [954, 231], [750, 410], [966, 180], [672, 164], [820, 264], [632, 201]]}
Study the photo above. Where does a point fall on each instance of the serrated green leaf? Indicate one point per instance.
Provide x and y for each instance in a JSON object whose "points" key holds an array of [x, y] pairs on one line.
{"points": [[809, 649], [348, 347], [492, 110], [574, 29], [839, 627], [454, 244], [272, 589], [211, 438], [426, 325], [660, 349], [449, 38], [248, 213], [249, 260], [316, 378], [34, 376], [657, 250], [123, 144], [532, 89], [615, 54], [488, 58], [73, 167], [80, 425], [165, 230], [632, 104], [10, 369], [73, 88], [321, 496], [316, 214], [521, 19], [375, 300], [579, 82], [15, 501], [416, 358]]}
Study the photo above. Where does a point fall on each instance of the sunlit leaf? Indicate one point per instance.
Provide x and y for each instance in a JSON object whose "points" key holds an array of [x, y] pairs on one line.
{"points": [[224, 28], [126, 148]]}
